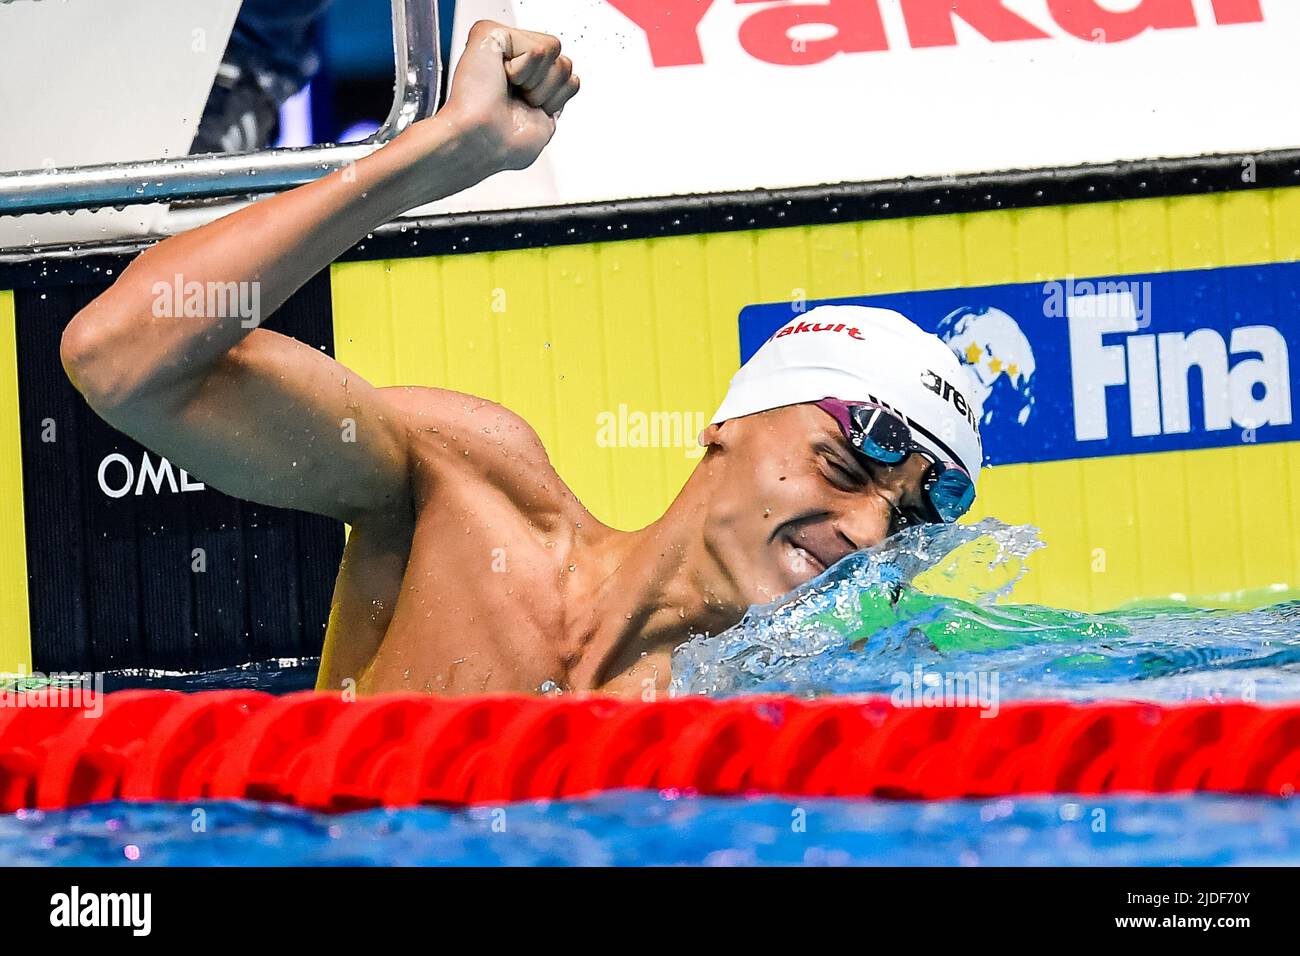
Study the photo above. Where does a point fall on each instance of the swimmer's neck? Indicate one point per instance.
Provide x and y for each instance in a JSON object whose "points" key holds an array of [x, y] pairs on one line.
{"points": [[638, 595]]}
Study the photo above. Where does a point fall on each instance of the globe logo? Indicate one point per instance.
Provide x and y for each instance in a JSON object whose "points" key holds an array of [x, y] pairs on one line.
{"points": [[989, 343]]}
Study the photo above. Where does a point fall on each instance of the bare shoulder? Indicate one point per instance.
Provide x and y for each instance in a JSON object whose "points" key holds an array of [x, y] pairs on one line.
{"points": [[454, 435], [457, 417]]}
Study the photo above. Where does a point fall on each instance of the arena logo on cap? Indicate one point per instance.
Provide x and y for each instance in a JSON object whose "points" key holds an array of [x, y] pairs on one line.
{"points": [[936, 383]]}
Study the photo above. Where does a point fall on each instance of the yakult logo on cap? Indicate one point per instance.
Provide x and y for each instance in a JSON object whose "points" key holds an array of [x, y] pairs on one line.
{"points": [[820, 327]]}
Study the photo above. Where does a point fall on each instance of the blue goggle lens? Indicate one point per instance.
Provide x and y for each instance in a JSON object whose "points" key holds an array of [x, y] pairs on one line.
{"points": [[952, 493], [880, 435]]}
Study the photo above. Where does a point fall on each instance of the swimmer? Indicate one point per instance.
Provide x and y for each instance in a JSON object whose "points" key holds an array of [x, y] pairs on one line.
{"points": [[470, 566]]}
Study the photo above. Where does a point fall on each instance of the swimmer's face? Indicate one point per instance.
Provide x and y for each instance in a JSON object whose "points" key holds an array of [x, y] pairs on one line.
{"points": [[794, 498]]}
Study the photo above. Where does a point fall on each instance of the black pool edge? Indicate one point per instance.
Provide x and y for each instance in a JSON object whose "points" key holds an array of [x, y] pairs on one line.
{"points": [[499, 230]]}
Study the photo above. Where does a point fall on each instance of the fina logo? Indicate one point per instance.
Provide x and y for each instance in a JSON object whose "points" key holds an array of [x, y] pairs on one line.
{"points": [[1156, 368]]}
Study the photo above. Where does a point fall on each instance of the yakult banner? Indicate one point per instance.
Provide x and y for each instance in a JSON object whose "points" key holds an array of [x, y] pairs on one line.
{"points": [[1119, 365], [689, 96]]}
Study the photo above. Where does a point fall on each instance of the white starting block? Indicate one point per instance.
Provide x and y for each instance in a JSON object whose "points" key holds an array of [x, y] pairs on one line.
{"points": [[85, 82]]}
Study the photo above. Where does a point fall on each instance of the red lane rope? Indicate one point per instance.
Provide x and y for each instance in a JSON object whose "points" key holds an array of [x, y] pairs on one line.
{"points": [[324, 753]]}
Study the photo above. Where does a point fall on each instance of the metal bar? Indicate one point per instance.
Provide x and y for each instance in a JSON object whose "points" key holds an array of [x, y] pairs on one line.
{"points": [[418, 62]]}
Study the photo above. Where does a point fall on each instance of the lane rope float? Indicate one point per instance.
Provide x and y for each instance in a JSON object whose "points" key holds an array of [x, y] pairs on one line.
{"points": [[321, 752]]}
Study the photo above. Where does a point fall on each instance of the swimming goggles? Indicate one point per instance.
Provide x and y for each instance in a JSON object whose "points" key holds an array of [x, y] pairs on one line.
{"points": [[884, 436]]}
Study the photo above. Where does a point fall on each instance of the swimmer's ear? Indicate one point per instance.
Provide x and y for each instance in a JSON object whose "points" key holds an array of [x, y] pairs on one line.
{"points": [[711, 436]]}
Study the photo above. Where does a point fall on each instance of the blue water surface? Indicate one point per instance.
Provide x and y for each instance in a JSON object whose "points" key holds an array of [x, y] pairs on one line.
{"points": [[855, 628], [929, 603], [649, 828]]}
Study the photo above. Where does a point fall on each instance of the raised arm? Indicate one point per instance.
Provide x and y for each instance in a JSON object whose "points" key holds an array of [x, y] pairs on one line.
{"points": [[255, 413]]}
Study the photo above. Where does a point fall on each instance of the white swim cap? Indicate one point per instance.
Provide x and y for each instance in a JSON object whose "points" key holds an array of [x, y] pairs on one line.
{"points": [[857, 353]]}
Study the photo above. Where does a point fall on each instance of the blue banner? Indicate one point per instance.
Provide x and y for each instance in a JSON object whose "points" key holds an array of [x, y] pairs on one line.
{"points": [[1115, 365]]}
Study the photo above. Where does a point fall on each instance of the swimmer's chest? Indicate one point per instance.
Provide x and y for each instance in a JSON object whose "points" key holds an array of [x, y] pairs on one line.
{"points": [[478, 609]]}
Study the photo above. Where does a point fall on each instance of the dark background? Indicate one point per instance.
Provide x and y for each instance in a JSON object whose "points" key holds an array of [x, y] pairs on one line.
{"points": [[355, 83]]}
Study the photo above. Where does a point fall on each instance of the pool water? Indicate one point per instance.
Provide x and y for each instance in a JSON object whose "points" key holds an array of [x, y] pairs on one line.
{"points": [[928, 603], [634, 828]]}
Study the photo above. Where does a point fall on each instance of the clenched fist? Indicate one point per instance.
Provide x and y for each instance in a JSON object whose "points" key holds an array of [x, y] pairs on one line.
{"points": [[508, 90]]}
